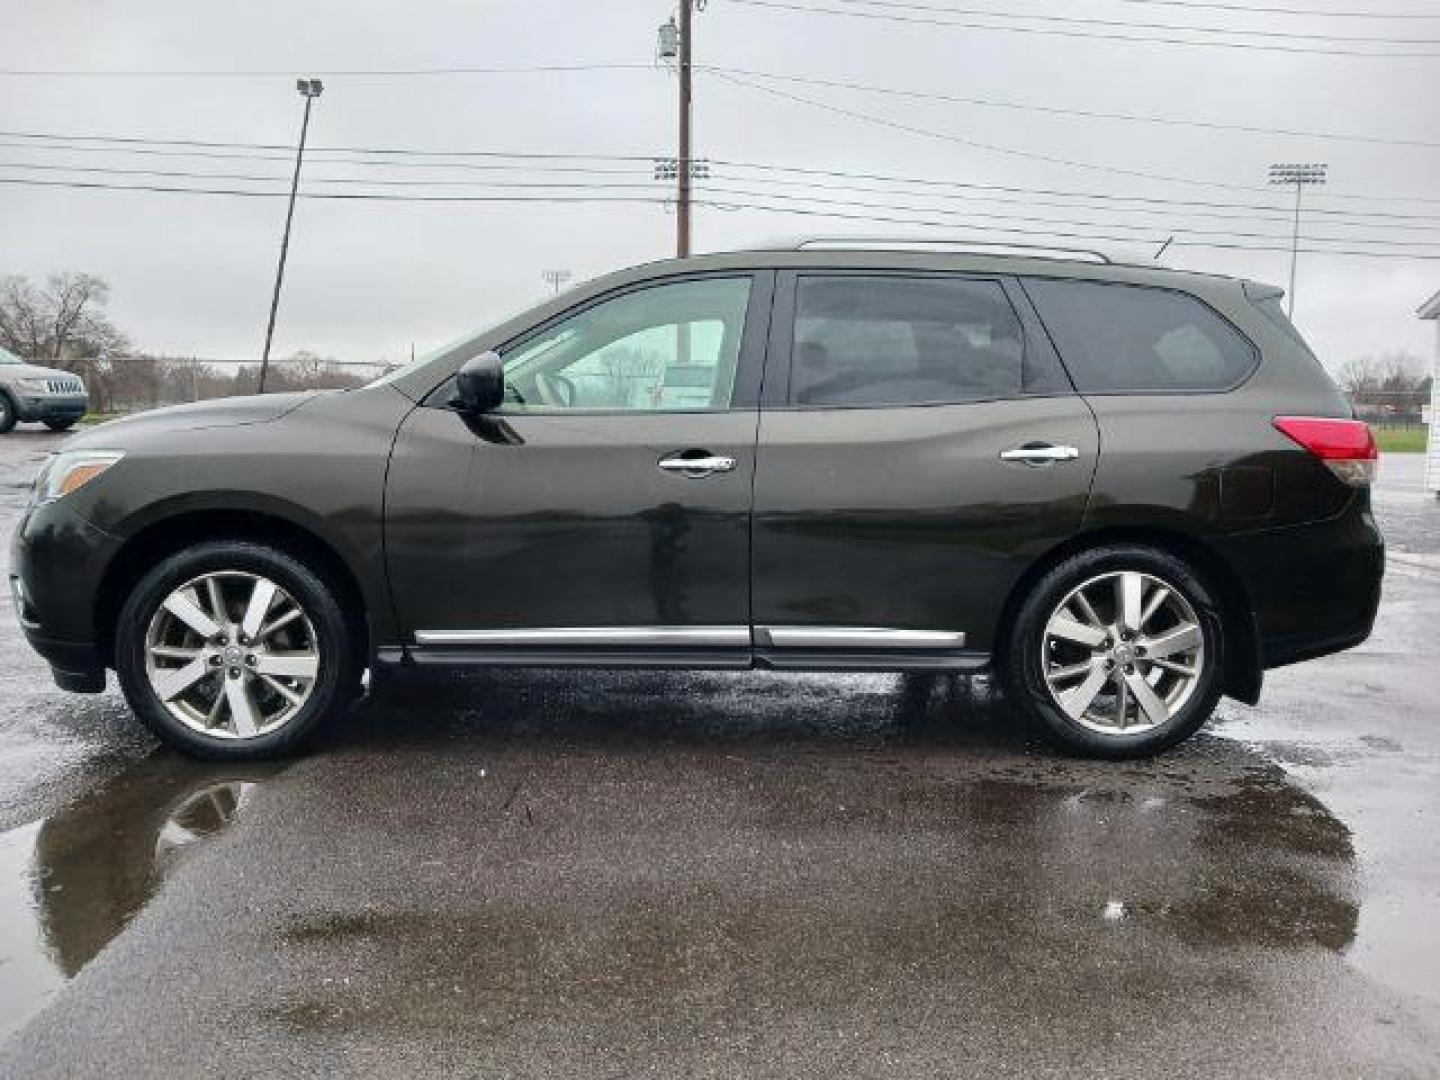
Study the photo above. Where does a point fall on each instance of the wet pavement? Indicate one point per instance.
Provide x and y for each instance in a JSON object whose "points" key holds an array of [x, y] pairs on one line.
{"points": [[604, 874]]}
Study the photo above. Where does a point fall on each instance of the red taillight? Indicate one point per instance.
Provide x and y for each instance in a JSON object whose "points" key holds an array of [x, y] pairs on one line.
{"points": [[1347, 447]]}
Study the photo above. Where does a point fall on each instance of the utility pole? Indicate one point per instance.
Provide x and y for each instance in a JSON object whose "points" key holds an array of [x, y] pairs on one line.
{"points": [[682, 173], [310, 90], [1299, 175]]}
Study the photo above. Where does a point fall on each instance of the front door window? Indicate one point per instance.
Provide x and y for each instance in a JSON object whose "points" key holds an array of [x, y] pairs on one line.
{"points": [[668, 348]]}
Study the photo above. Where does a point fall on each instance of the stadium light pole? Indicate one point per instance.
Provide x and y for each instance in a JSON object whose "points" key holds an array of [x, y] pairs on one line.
{"points": [[309, 90], [1299, 175]]}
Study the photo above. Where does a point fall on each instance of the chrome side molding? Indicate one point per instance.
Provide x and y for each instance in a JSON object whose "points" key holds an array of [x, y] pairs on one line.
{"points": [[856, 637], [778, 637], [732, 636]]}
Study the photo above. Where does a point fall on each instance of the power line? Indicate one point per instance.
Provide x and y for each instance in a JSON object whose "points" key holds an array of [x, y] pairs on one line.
{"points": [[492, 166], [1127, 24], [1032, 155], [203, 73], [893, 220], [1082, 222], [1322, 13], [384, 150], [1266, 214], [923, 20], [930, 182], [1263, 214], [181, 174], [1089, 114], [340, 195], [843, 214]]}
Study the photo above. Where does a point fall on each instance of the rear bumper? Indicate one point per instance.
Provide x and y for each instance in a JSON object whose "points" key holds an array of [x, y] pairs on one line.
{"points": [[1315, 588], [50, 407]]}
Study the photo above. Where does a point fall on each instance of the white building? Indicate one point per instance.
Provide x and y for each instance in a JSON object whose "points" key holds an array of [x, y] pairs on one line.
{"points": [[1431, 310]]}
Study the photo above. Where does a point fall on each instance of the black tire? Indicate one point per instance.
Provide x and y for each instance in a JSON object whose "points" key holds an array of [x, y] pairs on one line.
{"points": [[336, 683], [7, 413], [1021, 666], [61, 425]]}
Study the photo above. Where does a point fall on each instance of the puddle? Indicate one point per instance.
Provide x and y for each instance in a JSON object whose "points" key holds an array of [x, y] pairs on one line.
{"points": [[71, 882]]}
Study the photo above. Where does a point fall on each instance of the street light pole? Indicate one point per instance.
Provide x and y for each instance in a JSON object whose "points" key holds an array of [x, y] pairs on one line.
{"points": [[1299, 175], [310, 90]]}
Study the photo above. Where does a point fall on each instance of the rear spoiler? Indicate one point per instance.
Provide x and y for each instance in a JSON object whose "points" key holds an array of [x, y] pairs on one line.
{"points": [[1257, 293]]}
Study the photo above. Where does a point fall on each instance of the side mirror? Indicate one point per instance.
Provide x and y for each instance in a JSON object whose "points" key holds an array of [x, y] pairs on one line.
{"points": [[480, 384]]}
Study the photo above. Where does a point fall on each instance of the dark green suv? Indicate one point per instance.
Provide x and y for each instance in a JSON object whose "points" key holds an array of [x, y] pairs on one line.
{"points": [[1129, 490]]}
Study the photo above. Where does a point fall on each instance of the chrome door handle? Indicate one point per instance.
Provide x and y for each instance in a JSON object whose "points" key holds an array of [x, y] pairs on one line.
{"points": [[697, 466], [1037, 454]]}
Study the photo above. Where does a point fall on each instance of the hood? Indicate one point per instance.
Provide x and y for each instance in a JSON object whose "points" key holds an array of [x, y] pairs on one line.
{"points": [[220, 412], [10, 372]]}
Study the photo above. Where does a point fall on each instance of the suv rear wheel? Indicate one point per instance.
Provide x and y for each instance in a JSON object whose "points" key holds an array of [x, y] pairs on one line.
{"points": [[1116, 652], [234, 650], [7, 413]]}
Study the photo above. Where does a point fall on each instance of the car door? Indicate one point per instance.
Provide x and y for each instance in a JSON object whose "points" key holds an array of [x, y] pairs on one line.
{"points": [[602, 513], [920, 445]]}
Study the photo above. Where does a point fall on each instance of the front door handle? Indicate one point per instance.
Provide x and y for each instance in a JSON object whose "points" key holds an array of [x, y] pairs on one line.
{"points": [[1036, 454], [698, 465]]}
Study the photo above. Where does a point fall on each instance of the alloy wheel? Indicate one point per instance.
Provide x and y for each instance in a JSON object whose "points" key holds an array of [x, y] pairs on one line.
{"points": [[1123, 653], [232, 655]]}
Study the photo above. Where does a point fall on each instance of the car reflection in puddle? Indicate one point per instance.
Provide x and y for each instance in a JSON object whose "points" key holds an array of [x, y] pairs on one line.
{"points": [[71, 882]]}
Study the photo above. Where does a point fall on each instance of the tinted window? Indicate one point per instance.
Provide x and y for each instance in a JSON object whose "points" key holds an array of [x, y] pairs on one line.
{"points": [[1130, 337], [903, 341], [666, 347]]}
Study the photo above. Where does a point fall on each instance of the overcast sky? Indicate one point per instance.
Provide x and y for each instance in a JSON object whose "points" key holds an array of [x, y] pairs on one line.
{"points": [[192, 273]]}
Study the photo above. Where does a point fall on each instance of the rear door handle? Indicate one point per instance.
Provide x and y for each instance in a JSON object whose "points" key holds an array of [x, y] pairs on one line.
{"points": [[697, 466], [1036, 454]]}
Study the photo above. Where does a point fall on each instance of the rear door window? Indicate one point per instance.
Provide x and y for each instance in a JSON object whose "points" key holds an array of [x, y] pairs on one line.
{"points": [[1117, 338], [903, 340]]}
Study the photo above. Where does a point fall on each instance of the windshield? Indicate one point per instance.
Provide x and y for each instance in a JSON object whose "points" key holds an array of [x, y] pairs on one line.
{"points": [[7, 357]]}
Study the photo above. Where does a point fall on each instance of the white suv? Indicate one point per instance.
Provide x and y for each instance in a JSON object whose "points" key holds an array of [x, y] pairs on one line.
{"points": [[30, 393]]}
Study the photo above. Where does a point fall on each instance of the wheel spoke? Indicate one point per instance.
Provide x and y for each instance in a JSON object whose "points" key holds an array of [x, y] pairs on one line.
{"points": [[242, 712], [1170, 665], [1145, 696], [184, 605], [283, 690], [1181, 639], [171, 683], [276, 623], [1077, 699], [217, 599], [1122, 702], [1062, 626], [1087, 609], [289, 665], [1069, 672], [261, 597], [1152, 605], [1130, 589], [174, 652]]}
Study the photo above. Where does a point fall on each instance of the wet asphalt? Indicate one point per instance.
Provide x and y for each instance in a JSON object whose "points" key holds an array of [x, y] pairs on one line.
{"points": [[592, 874]]}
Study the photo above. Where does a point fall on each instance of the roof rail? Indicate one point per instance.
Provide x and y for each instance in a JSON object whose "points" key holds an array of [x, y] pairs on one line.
{"points": [[896, 243]]}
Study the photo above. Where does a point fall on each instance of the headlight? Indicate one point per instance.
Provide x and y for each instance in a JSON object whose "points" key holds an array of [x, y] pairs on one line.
{"points": [[36, 386], [71, 470]]}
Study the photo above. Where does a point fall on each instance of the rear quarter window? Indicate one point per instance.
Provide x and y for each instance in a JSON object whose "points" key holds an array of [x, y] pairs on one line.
{"points": [[1117, 338]]}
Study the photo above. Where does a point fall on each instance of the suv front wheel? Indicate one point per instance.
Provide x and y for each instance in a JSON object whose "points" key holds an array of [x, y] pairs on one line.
{"points": [[234, 650], [1116, 652]]}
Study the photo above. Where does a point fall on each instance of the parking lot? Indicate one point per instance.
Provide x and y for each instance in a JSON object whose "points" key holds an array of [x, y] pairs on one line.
{"points": [[524, 874]]}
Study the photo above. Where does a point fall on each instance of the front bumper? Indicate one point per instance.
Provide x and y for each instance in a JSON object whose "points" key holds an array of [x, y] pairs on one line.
{"points": [[57, 560], [34, 408]]}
